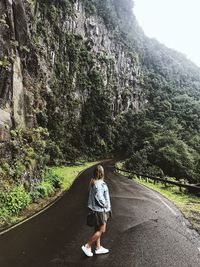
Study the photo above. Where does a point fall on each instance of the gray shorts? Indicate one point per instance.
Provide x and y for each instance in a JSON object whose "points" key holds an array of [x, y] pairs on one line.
{"points": [[101, 218]]}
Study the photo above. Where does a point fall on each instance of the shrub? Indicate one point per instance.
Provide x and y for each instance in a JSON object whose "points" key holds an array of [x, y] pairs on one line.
{"points": [[47, 188], [4, 216], [42, 189], [54, 179], [16, 199], [35, 194]]}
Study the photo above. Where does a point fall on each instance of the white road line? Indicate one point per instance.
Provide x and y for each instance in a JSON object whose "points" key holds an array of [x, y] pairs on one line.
{"points": [[167, 206], [29, 218], [157, 196], [199, 249], [42, 210]]}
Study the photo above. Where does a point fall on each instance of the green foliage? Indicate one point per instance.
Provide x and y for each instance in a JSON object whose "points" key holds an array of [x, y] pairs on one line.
{"points": [[54, 152], [36, 193], [46, 187], [29, 161], [82, 112], [105, 7], [29, 146], [66, 174], [96, 133], [54, 179], [81, 115], [4, 62], [140, 164], [158, 149], [175, 157], [14, 200], [90, 6], [4, 216], [31, 2]]}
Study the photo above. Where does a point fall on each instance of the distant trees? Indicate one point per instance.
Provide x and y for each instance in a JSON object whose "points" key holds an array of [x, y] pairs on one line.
{"points": [[159, 150]]}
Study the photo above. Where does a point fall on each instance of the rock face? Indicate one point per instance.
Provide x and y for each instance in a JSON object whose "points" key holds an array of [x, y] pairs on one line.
{"points": [[53, 56]]}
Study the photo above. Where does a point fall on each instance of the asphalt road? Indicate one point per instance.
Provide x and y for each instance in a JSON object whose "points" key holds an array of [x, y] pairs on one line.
{"points": [[146, 231]]}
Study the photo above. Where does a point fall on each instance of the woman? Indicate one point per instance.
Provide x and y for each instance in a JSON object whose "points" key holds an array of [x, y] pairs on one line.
{"points": [[99, 204]]}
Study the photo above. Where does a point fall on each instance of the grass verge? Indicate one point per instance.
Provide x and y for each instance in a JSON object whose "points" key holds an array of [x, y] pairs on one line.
{"points": [[69, 173], [65, 175], [187, 203]]}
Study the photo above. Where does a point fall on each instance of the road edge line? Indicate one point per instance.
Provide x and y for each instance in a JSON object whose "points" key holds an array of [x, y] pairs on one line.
{"points": [[43, 209]]}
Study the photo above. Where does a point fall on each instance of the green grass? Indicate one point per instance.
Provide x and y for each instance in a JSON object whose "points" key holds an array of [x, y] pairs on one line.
{"points": [[64, 175], [69, 173]]}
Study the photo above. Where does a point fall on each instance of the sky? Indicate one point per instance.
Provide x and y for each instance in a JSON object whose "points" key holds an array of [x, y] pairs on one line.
{"points": [[174, 23]]}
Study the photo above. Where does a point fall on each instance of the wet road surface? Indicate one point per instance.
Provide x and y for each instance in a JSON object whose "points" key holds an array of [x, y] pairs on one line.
{"points": [[146, 231]]}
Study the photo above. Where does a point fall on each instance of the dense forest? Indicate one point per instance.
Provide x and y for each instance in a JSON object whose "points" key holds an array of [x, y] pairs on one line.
{"points": [[96, 90], [163, 137]]}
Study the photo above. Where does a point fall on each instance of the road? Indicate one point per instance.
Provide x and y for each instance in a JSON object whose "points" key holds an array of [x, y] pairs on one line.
{"points": [[146, 231]]}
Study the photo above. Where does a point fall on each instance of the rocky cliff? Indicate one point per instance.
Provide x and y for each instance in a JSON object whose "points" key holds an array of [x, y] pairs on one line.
{"points": [[55, 56], [76, 67]]}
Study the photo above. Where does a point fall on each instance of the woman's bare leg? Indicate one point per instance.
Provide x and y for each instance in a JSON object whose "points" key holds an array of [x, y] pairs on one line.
{"points": [[96, 236], [98, 241]]}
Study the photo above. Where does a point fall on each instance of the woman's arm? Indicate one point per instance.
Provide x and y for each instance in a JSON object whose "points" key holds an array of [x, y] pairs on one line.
{"points": [[100, 196], [107, 198]]}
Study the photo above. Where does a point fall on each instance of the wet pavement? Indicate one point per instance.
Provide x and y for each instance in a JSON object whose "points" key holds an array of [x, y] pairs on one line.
{"points": [[146, 231]]}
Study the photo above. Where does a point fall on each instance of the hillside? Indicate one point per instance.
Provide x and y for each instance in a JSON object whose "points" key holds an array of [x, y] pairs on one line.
{"points": [[79, 79]]}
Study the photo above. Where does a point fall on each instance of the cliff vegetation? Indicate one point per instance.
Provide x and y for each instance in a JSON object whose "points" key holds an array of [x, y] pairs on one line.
{"points": [[80, 80]]}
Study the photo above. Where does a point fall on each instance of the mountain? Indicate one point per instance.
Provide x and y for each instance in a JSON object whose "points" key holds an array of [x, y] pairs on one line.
{"points": [[79, 79]]}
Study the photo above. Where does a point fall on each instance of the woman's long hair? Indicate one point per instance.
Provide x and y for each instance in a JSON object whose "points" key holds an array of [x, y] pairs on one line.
{"points": [[98, 174]]}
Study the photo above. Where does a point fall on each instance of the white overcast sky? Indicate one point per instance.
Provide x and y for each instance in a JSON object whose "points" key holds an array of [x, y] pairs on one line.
{"points": [[176, 23]]}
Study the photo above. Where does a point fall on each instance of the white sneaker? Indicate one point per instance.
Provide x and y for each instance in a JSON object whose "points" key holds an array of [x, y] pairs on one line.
{"points": [[87, 251], [101, 250]]}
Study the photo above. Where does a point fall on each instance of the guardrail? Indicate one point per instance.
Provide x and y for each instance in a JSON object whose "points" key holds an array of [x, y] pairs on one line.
{"points": [[190, 188]]}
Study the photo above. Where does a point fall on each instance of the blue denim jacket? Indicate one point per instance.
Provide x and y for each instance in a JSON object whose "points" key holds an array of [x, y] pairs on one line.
{"points": [[99, 199]]}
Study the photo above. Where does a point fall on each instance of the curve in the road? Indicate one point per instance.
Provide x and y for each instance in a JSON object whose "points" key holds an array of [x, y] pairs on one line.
{"points": [[146, 231]]}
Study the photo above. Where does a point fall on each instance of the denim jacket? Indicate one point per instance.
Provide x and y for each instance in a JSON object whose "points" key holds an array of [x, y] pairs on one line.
{"points": [[99, 199]]}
